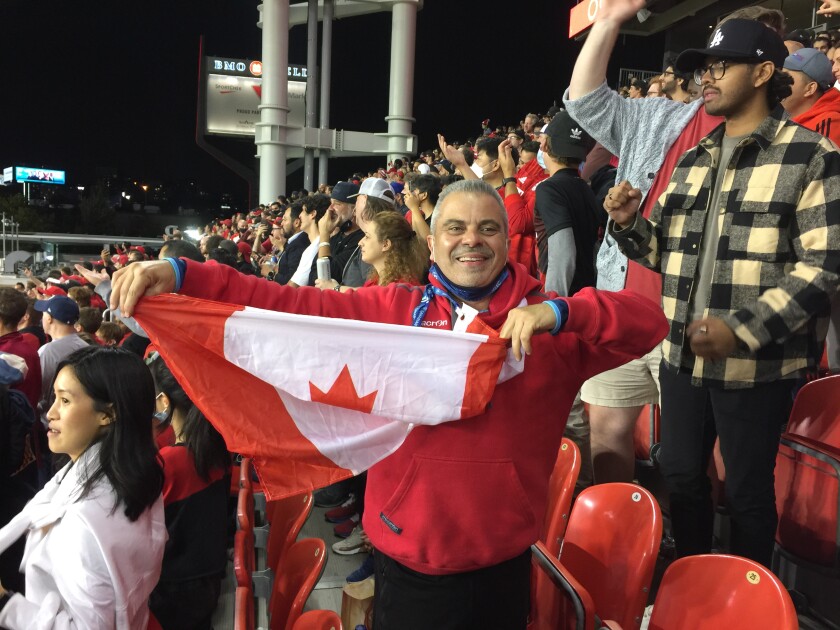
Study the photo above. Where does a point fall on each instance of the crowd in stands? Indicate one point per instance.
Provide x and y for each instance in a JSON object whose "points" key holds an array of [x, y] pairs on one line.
{"points": [[92, 408]]}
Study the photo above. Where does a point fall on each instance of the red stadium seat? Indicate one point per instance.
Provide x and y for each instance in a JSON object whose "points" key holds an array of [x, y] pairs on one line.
{"points": [[286, 517], [318, 620], [816, 412], [561, 487], [245, 510], [646, 434], [545, 599], [294, 580], [243, 557], [808, 477], [808, 502], [610, 550], [719, 591], [577, 597], [244, 611], [246, 479], [246, 471]]}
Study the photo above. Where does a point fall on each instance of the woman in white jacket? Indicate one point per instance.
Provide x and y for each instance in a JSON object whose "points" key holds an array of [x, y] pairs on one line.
{"points": [[96, 532]]}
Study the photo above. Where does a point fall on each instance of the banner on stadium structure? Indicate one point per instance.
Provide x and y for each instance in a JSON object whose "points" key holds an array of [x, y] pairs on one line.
{"points": [[233, 89], [315, 399]]}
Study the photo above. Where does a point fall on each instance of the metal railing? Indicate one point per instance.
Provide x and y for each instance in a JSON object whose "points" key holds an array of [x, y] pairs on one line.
{"points": [[625, 74], [12, 234]]}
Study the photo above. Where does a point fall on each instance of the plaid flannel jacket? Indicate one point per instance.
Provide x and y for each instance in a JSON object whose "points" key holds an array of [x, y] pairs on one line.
{"points": [[778, 258]]}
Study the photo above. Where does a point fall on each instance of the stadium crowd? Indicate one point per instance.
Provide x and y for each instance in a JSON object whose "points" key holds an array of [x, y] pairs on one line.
{"points": [[612, 189]]}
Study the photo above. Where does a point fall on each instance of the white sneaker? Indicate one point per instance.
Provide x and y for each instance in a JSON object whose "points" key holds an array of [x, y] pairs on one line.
{"points": [[350, 545]]}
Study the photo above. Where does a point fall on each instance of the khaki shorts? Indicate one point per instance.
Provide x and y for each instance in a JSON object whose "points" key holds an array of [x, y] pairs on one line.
{"points": [[629, 385]]}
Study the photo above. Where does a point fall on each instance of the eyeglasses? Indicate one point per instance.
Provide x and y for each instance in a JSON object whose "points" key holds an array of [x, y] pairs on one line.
{"points": [[716, 70], [668, 72]]}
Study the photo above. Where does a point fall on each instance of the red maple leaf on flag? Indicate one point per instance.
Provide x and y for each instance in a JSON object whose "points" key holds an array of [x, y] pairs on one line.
{"points": [[343, 394]]}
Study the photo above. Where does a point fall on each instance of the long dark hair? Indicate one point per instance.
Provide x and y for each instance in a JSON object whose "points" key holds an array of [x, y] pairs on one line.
{"points": [[405, 261], [200, 437], [120, 386]]}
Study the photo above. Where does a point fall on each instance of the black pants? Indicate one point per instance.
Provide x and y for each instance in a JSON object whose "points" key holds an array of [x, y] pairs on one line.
{"points": [[186, 605], [749, 423], [15, 493], [494, 598]]}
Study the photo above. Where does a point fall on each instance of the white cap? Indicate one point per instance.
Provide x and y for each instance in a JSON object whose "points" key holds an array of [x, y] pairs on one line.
{"points": [[379, 188]]}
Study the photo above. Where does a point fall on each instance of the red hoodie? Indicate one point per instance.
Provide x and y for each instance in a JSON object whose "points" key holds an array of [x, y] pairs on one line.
{"points": [[824, 116], [520, 210], [471, 493]]}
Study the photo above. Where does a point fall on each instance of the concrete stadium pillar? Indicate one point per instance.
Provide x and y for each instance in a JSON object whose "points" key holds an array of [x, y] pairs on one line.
{"points": [[311, 91], [326, 76], [270, 132], [401, 88]]}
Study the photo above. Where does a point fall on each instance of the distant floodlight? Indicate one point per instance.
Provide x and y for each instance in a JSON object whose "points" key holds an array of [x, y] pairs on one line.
{"points": [[643, 14]]}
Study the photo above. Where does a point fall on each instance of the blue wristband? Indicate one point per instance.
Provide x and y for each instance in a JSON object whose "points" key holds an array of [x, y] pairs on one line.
{"points": [[561, 313], [180, 269]]}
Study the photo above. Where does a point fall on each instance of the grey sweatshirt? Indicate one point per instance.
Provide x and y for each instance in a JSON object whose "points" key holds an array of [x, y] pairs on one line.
{"points": [[640, 132]]}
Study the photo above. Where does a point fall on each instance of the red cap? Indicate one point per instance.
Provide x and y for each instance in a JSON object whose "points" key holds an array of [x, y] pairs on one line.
{"points": [[244, 248], [52, 290]]}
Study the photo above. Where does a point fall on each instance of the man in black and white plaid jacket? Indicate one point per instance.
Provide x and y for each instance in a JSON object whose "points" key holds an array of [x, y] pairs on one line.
{"points": [[747, 238]]}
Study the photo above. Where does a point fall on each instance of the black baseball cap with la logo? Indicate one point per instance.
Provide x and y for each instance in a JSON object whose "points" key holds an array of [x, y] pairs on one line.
{"points": [[737, 39]]}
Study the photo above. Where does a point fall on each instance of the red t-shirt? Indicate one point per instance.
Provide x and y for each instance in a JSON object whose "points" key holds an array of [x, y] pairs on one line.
{"points": [[30, 386], [641, 279]]}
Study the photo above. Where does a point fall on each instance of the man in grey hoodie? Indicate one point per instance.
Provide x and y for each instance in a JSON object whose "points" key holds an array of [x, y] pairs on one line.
{"points": [[647, 135]]}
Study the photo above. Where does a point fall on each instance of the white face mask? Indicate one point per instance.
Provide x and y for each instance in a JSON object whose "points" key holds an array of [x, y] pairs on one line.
{"points": [[484, 170], [540, 154]]}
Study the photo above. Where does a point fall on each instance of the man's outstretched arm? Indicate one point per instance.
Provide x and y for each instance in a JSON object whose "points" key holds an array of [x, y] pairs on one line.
{"points": [[590, 69]]}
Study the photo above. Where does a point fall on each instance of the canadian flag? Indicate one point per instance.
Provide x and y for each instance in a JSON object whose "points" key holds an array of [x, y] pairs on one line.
{"points": [[314, 399]]}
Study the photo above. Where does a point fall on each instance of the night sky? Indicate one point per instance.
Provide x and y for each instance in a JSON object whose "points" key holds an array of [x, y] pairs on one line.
{"points": [[93, 86]]}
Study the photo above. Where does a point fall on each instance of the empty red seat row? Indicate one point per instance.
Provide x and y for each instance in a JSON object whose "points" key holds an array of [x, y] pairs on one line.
{"points": [[706, 592], [294, 568]]}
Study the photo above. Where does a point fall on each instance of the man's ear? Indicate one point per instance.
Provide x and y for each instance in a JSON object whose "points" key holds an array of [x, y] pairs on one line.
{"points": [[764, 74], [430, 241], [810, 89]]}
